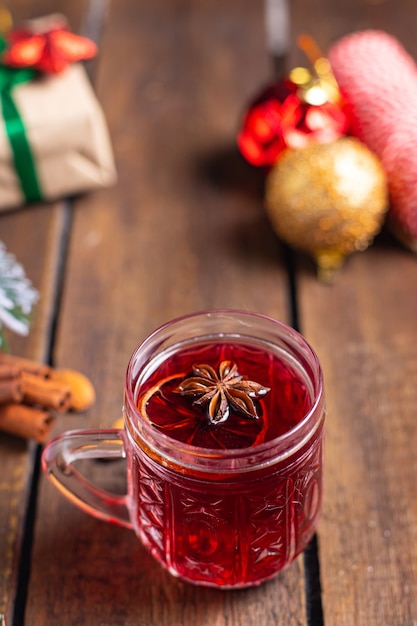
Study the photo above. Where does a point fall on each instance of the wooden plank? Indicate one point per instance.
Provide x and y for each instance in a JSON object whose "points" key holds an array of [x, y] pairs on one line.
{"points": [[73, 11], [34, 247], [368, 531], [363, 328], [326, 22], [34, 236], [183, 230]]}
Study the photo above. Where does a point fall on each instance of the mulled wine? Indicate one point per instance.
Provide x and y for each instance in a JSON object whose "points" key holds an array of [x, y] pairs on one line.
{"points": [[223, 435], [238, 527]]}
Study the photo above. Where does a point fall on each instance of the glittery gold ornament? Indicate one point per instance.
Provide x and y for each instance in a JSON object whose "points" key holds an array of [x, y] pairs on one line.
{"points": [[328, 200]]}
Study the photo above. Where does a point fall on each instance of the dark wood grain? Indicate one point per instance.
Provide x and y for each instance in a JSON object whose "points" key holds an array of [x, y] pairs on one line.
{"points": [[35, 248], [326, 22], [184, 229], [34, 235], [363, 328]]}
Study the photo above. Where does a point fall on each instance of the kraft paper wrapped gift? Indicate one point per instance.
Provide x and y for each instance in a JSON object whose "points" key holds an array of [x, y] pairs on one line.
{"points": [[67, 134]]}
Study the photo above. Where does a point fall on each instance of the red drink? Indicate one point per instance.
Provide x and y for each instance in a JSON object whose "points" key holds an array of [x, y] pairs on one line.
{"points": [[279, 410], [239, 524], [224, 414]]}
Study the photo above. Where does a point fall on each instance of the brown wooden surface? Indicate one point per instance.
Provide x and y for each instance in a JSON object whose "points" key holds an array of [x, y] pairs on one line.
{"points": [[183, 230], [35, 237], [364, 329]]}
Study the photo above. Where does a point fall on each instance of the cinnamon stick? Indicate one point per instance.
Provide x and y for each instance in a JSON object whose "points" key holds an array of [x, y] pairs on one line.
{"points": [[49, 394], [7, 372], [25, 365], [29, 391], [26, 421], [10, 390]]}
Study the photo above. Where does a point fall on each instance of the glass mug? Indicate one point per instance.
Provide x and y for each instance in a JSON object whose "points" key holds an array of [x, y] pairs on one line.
{"points": [[224, 418]]}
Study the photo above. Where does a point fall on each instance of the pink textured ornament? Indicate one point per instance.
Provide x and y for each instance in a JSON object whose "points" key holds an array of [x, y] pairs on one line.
{"points": [[378, 80]]}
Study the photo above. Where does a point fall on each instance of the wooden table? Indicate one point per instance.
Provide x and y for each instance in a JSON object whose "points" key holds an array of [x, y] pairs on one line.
{"points": [[184, 229]]}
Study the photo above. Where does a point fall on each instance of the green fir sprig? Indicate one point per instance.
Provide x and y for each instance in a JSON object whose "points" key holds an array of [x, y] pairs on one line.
{"points": [[17, 296]]}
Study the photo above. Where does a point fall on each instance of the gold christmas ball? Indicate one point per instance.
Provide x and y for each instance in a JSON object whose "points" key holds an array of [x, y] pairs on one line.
{"points": [[327, 200]]}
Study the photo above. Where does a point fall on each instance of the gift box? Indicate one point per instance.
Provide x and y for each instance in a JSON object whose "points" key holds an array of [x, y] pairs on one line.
{"points": [[54, 140]]}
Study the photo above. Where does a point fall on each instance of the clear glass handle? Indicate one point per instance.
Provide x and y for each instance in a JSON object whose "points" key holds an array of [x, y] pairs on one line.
{"points": [[57, 463]]}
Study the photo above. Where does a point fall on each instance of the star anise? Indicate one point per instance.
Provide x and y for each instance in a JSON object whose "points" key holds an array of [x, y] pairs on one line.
{"points": [[222, 391]]}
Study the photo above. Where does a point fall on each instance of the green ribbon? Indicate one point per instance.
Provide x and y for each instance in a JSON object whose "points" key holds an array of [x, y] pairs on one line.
{"points": [[24, 161]]}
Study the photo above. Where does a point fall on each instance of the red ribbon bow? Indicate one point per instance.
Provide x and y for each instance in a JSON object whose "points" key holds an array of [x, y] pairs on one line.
{"points": [[279, 119], [50, 51]]}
